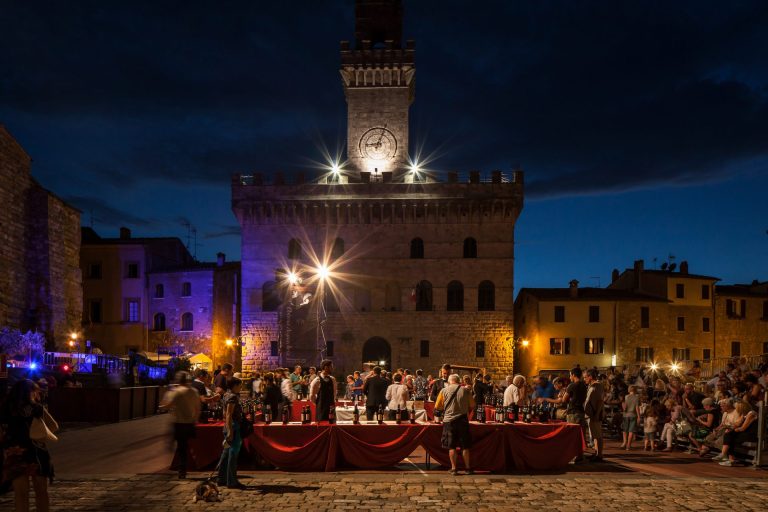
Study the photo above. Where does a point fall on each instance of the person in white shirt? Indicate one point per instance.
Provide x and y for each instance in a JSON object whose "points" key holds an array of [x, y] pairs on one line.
{"points": [[184, 404], [397, 396], [286, 388], [515, 390]]}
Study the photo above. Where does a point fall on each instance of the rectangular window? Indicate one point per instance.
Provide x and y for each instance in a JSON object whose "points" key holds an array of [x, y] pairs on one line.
{"points": [[559, 313], [644, 354], [274, 348], [706, 354], [559, 346], [424, 348], [705, 324], [736, 309], [645, 317], [186, 289], [594, 345], [705, 291], [735, 348], [681, 323], [94, 271], [132, 271], [94, 311], [329, 348], [680, 291], [765, 347], [681, 354], [479, 349], [594, 314], [132, 310]]}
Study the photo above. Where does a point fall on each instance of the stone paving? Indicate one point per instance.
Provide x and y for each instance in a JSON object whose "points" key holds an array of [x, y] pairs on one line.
{"points": [[410, 491]]}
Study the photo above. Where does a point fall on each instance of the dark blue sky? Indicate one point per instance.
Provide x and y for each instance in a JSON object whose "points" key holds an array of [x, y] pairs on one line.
{"points": [[642, 126]]}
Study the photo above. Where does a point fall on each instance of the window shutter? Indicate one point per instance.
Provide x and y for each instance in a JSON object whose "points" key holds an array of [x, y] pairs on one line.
{"points": [[567, 347]]}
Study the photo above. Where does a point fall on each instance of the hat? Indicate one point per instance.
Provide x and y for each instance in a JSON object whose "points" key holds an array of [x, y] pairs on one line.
{"points": [[707, 402]]}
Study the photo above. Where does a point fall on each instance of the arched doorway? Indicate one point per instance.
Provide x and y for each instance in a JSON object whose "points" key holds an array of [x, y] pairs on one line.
{"points": [[377, 349]]}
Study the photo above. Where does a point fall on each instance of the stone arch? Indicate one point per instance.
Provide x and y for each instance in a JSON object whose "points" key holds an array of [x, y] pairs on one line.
{"points": [[377, 349]]}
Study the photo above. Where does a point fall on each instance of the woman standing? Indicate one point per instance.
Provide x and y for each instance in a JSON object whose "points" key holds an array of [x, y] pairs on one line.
{"points": [[25, 458], [233, 414], [272, 395]]}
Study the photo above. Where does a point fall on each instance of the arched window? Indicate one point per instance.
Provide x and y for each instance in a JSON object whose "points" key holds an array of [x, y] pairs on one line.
{"points": [[187, 322], [294, 249], [470, 248], [186, 289], [158, 323], [455, 296], [337, 251], [269, 299], [159, 291], [417, 248], [486, 296], [424, 296]]}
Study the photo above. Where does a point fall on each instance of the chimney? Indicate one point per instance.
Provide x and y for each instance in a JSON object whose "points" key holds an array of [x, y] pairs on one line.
{"points": [[125, 233], [683, 267], [614, 275], [574, 288], [221, 258], [639, 267]]}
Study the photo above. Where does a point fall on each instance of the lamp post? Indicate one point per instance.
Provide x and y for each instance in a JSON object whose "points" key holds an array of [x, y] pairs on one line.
{"points": [[517, 343], [323, 274]]}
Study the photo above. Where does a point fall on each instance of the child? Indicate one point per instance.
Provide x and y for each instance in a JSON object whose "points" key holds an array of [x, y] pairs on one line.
{"points": [[649, 428]]}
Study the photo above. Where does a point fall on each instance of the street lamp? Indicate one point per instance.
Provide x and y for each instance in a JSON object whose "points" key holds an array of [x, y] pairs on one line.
{"points": [[516, 344]]}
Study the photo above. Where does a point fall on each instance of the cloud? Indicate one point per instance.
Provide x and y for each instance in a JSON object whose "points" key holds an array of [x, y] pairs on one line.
{"points": [[227, 231], [104, 213]]}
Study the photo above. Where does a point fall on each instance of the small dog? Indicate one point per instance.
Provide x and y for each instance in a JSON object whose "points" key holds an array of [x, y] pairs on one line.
{"points": [[207, 491]]}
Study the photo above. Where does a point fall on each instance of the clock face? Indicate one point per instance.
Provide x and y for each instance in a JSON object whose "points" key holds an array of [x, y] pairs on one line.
{"points": [[378, 144]]}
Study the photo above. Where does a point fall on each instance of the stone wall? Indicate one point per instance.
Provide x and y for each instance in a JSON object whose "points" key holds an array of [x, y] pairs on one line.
{"points": [[751, 330], [15, 182]]}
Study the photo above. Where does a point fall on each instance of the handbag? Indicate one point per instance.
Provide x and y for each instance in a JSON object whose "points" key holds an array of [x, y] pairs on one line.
{"points": [[39, 432]]}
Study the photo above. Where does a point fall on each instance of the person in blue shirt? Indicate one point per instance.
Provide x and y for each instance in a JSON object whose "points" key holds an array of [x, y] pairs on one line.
{"points": [[357, 389], [543, 388]]}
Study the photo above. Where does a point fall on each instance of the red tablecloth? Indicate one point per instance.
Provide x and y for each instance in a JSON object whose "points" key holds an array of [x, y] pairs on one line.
{"points": [[496, 447]]}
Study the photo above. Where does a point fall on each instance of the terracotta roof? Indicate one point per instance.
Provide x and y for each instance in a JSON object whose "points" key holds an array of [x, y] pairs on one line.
{"points": [[589, 294]]}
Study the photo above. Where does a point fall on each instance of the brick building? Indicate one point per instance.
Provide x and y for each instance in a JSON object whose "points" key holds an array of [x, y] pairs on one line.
{"points": [[378, 260], [40, 280], [741, 313], [115, 301], [196, 308]]}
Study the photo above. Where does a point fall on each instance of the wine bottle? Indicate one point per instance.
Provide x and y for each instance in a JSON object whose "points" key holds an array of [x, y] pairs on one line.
{"points": [[286, 415], [380, 415], [356, 415], [268, 415], [332, 415], [397, 418], [412, 415]]}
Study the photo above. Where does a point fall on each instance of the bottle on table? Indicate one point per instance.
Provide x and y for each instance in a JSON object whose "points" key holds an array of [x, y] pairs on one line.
{"points": [[268, 415], [480, 413], [412, 415], [332, 415], [380, 415], [286, 414], [397, 418], [356, 415]]}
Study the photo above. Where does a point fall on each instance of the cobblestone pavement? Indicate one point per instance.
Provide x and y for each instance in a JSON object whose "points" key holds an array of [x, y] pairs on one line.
{"points": [[412, 491]]}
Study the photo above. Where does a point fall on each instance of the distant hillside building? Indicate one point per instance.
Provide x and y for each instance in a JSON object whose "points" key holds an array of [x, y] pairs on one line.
{"points": [[420, 271], [40, 280]]}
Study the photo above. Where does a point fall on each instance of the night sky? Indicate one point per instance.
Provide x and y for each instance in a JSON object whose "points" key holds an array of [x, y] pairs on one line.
{"points": [[642, 126]]}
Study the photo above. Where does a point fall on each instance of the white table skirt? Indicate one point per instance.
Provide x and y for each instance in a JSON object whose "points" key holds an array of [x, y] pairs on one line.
{"points": [[346, 414]]}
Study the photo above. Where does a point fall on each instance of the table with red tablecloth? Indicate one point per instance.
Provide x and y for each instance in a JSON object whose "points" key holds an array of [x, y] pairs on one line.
{"points": [[298, 405], [323, 447]]}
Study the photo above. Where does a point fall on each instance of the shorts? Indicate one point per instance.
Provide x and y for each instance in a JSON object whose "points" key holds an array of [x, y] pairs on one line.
{"points": [[456, 434], [629, 424]]}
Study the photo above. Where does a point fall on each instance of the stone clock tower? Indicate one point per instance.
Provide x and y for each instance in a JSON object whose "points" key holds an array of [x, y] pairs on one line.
{"points": [[378, 76]]}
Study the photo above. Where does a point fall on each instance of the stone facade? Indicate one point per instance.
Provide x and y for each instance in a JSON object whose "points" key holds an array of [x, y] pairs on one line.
{"points": [[209, 293], [741, 313], [41, 283], [420, 270]]}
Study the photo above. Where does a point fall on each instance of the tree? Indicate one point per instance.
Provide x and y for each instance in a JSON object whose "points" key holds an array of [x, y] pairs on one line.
{"points": [[13, 342]]}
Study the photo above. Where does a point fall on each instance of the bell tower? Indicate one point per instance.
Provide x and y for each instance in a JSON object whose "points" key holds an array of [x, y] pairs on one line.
{"points": [[378, 79]]}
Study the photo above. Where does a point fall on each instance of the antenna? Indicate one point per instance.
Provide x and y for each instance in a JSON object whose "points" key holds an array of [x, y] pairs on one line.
{"points": [[672, 266], [194, 238]]}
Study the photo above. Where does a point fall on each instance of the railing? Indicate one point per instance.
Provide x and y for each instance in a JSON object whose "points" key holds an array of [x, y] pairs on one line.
{"points": [[711, 367]]}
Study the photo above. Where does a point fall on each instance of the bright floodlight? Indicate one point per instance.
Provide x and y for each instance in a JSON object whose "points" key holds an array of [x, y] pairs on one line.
{"points": [[71, 343], [228, 342], [675, 367], [654, 366], [293, 278], [335, 169], [525, 343], [323, 272], [382, 363], [73, 335]]}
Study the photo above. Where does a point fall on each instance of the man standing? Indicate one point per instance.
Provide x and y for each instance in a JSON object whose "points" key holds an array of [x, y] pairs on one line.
{"points": [[286, 389], [594, 409], [296, 380], [440, 383], [200, 385], [574, 398], [515, 391], [184, 403], [323, 391], [397, 395], [357, 386], [375, 389], [220, 383], [420, 385], [456, 401]]}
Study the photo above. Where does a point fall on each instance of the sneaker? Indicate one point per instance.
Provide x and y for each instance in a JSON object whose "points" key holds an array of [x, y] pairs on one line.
{"points": [[727, 463], [718, 457]]}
